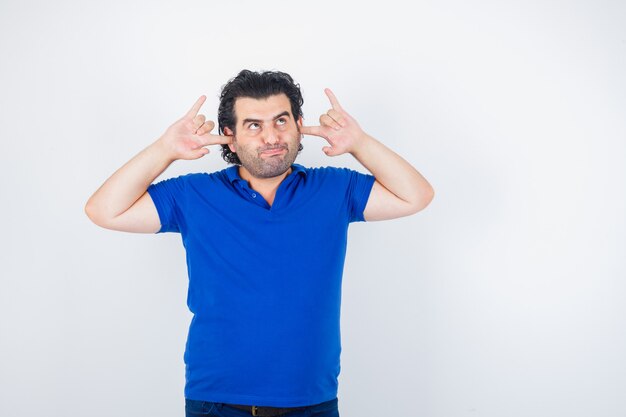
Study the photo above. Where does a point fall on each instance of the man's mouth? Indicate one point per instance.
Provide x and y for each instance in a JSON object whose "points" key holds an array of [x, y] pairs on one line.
{"points": [[275, 151]]}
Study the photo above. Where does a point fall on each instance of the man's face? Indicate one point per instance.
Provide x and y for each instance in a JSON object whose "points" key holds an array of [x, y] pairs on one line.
{"points": [[267, 135]]}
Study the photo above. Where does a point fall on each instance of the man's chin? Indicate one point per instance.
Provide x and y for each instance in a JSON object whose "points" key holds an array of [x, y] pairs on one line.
{"points": [[268, 170]]}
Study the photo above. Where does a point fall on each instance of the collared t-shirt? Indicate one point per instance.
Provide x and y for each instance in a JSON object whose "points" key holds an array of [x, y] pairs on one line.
{"points": [[264, 281]]}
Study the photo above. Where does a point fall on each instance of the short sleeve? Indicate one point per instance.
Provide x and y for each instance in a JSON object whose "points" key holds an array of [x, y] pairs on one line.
{"points": [[359, 189], [167, 197]]}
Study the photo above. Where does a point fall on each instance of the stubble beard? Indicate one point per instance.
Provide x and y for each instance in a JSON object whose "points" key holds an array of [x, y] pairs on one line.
{"points": [[269, 166]]}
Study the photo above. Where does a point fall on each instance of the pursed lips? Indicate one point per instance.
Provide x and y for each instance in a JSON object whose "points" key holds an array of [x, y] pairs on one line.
{"points": [[273, 151]]}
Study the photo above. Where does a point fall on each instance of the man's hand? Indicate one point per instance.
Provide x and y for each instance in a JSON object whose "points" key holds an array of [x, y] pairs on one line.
{"points": [[186, 138], [341, 131], [123, 202], [399, 190]]}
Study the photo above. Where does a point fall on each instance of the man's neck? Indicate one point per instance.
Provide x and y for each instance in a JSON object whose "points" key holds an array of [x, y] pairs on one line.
{"points": [[263, 185]]}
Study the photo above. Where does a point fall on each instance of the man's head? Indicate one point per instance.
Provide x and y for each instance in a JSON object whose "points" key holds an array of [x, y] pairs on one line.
{"points": [[263, 113]]}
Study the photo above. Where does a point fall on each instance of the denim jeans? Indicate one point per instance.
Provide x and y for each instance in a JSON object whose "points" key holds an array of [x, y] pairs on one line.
{"points": [[196, 408]]}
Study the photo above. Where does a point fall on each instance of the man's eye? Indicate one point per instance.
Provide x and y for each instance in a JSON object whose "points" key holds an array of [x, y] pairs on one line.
{"points": [[281, 122], [253, 126]]}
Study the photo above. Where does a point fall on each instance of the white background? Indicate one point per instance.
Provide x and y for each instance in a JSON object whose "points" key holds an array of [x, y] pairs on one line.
{"points": [[504, 297]]}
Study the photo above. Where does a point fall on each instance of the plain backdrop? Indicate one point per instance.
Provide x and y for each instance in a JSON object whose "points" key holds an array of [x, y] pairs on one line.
{"points": [[504, 297]]}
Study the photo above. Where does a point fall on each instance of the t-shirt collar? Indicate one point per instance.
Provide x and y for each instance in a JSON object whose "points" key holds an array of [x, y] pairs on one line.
{"points": [[233, 172]]}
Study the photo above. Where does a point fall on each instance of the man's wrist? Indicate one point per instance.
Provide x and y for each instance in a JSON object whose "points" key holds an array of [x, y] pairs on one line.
{"points": [[361, 144], [161, 149]]}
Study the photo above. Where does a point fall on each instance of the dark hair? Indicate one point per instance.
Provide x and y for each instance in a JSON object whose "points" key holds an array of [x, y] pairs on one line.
{"points": [[255, 85]]}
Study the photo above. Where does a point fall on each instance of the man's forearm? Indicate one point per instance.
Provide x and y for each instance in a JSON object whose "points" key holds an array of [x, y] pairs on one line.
{"points": [[393, 172], [122, 189]]}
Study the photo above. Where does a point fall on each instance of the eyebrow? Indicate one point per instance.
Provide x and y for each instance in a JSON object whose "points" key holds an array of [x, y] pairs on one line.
{"points": [[248, 120]]}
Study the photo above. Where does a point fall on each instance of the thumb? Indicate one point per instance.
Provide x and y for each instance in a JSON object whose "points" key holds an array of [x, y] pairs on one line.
{"points": [[329, 151], [199, 153]]}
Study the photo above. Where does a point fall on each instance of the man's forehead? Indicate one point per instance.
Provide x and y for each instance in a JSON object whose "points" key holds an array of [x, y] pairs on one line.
{"points": [[262, 108]]}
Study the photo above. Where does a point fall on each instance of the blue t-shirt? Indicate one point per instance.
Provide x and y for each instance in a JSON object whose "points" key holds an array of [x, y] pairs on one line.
{"points": [[264, 282]]}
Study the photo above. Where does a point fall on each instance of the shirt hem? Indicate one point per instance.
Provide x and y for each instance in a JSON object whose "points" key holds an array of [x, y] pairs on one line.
{"points": [[261, 401]]}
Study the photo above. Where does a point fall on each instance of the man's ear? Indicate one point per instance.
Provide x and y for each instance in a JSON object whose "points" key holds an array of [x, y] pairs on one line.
{"points": [[299, 123], [229, 132]]}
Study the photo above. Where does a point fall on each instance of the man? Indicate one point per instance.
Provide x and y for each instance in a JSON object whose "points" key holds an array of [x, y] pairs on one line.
{"points": [[265, 241]]}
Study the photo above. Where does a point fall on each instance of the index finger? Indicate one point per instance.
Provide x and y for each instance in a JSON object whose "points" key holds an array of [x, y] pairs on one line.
{"points": [[333, 100], [311, 130], [196, 107], [210, 139]]}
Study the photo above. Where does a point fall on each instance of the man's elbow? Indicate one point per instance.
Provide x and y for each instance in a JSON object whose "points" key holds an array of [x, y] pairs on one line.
{"points": [[89, 211], [423, 199], [94, 215]]}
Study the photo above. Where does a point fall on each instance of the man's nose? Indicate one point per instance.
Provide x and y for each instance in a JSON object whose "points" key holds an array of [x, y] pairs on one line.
{"points": [[271, 136]]}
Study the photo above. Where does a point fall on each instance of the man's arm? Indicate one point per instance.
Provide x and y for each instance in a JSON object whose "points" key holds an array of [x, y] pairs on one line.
{"points": [[399, 189], [122, 202]]}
